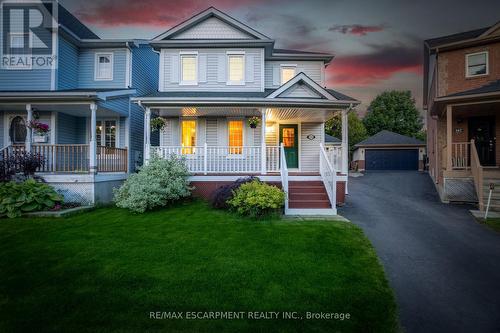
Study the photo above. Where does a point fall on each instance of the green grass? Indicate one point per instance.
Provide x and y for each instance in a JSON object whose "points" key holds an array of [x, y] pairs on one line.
{"points": [[106, 270], [492, 223]]}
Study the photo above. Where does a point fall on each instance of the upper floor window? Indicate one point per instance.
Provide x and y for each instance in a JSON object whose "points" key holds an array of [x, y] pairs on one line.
{"points": [[104, 66], [236, 67], [287, 73], [189, 68], [476, 64]]}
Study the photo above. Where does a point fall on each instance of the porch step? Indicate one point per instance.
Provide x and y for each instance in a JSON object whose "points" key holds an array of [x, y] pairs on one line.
{"points": [[308, 195]]}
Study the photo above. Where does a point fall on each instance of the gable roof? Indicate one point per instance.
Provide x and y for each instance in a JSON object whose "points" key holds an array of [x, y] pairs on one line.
{"points": [[206, 14], [462, 37], [321, 92], [387, 138], [70, 22], [332, 139]]}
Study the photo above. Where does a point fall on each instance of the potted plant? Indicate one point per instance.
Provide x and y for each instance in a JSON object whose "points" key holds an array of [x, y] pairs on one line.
{"points": [[40, 130], [157, 124], [254, 122]]}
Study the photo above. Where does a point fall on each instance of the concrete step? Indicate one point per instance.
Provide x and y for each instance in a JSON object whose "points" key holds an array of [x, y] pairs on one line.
{"points": [[309, 204]]}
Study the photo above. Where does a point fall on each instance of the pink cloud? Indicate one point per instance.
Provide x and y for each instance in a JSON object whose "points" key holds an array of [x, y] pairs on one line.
{"points": [[356, 29]]}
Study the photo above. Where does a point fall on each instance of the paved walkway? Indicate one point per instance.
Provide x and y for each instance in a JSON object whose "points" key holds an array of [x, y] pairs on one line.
{"points": [[443, 266]]}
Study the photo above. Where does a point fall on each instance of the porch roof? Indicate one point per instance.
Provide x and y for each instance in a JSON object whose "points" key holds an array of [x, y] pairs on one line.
{"points": [[73, 95]]}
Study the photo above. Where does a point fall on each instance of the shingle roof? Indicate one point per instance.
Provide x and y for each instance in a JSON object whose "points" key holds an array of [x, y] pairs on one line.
{"points": [[332, 139], [389, 138], [72, 23], [433, 42], [341, 96], [256, 94], [288, 51], [487, 88]]}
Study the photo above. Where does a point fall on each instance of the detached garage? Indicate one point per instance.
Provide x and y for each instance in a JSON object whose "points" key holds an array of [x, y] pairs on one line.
{"points": [[389, 151]]}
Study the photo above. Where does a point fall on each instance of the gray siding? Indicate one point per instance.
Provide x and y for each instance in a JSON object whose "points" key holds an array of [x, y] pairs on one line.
{"points": [[313, 69], [212, 28], [67, 71], [212, 74], [300, 91], [86, 69], [309, 149]]}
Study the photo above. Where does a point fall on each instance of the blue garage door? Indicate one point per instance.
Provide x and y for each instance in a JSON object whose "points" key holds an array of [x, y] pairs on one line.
{"points": [[391, 159]]}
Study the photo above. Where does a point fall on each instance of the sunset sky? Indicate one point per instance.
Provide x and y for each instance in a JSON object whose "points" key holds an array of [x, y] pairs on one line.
{"points": [[377, 44]]}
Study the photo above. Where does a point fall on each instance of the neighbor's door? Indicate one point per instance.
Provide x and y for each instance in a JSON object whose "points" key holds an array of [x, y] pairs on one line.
{"points": [[289, 136], [482, 130]]}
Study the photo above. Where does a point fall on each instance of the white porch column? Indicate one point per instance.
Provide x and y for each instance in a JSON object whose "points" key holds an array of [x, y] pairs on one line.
{"points": [[345, 141], [147, 135], [29, 131], [92, 141], [263, 153], [449, 129]]}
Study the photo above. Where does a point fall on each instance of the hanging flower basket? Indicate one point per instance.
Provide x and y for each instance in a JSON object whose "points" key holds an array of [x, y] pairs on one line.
{"points": [[254, 122], [157, 124], [39, 128]]}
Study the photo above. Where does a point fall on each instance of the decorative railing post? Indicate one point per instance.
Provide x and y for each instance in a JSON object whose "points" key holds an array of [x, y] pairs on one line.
{"points": [[29, 131], [263, 162], [205, 158], [147, 134], [92, 141]]}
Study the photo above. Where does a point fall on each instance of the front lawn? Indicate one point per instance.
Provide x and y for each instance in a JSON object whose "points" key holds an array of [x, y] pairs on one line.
{"points": [[108, 269], [492, 223]]}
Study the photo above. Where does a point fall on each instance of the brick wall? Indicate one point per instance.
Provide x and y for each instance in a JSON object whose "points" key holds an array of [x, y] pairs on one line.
{"points": [[451, 69]]}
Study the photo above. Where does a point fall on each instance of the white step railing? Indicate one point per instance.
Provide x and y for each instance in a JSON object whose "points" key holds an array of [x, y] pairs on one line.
{"points": [[222, 159], [334, 154], [284, 175], [328, 175]]}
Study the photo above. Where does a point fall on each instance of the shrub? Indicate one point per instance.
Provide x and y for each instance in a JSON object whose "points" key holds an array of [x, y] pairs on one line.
{"points": [[20, 163], [26, 196], [225, 193], [157, 184], [257, 199]]}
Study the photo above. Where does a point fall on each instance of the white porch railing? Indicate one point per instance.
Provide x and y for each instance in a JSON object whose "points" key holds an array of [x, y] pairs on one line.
{"points": [[328, 175], [284, 175], [222, 159], [335, 156]]}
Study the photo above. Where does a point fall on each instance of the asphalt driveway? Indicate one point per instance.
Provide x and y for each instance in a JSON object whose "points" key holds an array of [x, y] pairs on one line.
{"points": [[443, 266]]}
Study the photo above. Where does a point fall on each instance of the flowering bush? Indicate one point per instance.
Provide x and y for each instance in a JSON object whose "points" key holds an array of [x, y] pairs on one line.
{"points": [[38, 127], [257, 199], [225, 193], [254, 122], [157, 184]]}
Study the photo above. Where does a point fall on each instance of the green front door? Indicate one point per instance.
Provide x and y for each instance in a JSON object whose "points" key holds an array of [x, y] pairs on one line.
{"points": [[289, 136]]}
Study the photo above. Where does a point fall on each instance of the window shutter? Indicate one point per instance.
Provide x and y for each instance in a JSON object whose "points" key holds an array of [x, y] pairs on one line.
{"points": [[202, 68], [249, 67], [176, 136], [222, 132], [175, 68], [200, 132], [276, 75], [221, 68]]}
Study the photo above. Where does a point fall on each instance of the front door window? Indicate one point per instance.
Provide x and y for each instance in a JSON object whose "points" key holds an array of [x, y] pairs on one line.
{"points": [[482, 131], [106, 133], [17, 130], [289, 138]]}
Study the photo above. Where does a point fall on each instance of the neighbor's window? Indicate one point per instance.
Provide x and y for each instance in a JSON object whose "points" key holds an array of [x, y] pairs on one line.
{"points": [[189, 69], [188, 140], [106, 133], [287, 73], [236, 66], [104, 66], [235, 130], [477, 64]]}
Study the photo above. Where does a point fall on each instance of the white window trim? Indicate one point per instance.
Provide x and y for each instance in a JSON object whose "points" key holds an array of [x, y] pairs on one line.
{"points": [[467, 64], [181, 81], [96, 65], [282, 66], [228, 81], [103, 134], [243, 120]]}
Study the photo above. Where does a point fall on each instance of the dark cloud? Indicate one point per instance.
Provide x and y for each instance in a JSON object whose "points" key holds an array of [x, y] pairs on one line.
{"points": [[356, 29], [381, 64]]}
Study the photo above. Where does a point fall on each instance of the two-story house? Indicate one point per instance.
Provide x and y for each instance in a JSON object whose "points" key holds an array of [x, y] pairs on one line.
{"points": [[96, 132], [462, 99], [216, 74]]}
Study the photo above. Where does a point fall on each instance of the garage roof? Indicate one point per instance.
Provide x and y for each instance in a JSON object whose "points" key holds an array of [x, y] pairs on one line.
{"points": [[388, 138]]}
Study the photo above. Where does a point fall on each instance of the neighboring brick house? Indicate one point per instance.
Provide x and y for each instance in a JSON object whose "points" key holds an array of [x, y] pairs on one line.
{"points": [[462, 100]]}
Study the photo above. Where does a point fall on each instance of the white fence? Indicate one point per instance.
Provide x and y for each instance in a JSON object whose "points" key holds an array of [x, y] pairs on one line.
{"points": [[223, 159]]}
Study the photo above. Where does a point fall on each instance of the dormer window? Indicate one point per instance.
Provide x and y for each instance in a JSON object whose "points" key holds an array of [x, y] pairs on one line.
{"points": [[189, 68], [287, 73], [103, 66], [476, 64], [236, 68]]}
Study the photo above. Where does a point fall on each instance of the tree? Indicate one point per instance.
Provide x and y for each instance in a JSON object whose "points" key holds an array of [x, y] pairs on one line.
{"points": [[357, 131], [394, 111]]}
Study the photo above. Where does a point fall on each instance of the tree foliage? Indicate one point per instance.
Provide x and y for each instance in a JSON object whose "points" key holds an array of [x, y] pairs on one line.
{"points": [[357, 131], [394, 111]]}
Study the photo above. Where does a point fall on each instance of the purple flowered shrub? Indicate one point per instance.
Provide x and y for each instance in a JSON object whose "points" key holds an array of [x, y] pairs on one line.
{"points": [[225, 193]]}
